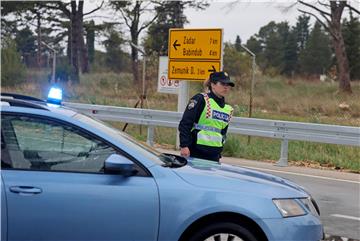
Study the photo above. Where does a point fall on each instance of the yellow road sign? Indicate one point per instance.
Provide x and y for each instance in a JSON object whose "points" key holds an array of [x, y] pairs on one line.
{"points": [[195, 44], [188, 70]]}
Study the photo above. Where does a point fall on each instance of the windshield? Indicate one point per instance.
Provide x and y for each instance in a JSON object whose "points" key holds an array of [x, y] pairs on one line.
{"points": [[145, 150]]}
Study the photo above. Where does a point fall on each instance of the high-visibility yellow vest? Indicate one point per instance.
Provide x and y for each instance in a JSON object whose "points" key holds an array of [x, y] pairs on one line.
{"points": [[212, 121]]}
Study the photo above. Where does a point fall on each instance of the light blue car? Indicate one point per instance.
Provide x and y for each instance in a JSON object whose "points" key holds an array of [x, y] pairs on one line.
{"points": [[66, 176]]}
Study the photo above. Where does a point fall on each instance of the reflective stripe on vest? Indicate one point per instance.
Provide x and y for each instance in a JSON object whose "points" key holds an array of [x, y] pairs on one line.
{"points": [[212, 121], [211, 140], [206, 128]]}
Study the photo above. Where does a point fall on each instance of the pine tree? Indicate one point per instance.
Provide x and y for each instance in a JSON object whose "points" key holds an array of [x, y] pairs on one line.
{"points": [[12, 70], [329, 16], [115, 57], [268, 40], [238, 43], [90, 39], [274, 37], [316, 57], [237, 63], [65, 19], [302, 31], [170, 15], [283, 31], [290, 54], [25, 42], [254, 44], [351, 32]]}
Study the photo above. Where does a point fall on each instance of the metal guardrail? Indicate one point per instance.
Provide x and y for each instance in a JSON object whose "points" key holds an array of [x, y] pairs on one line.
{"points": [[284, 130]]}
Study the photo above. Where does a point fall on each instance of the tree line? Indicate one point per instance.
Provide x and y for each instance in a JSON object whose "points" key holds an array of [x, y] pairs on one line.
{"points": [[304, 49], [28, 26], [62, 24]]}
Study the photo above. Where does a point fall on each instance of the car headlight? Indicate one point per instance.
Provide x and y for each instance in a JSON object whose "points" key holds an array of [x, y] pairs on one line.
{"points": [[310, 206], [289, 207]]}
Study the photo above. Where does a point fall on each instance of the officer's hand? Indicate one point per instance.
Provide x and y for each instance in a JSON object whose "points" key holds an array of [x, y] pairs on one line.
{"points": [[185, 152]]}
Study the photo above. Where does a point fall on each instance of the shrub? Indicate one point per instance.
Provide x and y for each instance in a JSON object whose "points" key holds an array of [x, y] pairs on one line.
{"points": [[236, 63], [13, 71], [63, 69]]}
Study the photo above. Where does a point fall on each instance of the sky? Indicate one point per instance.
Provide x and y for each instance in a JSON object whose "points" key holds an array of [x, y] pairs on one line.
{"points": [[242, 18]]}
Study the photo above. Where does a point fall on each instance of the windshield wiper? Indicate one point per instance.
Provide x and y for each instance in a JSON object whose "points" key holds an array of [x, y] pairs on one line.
{"points": [[172, 160]]}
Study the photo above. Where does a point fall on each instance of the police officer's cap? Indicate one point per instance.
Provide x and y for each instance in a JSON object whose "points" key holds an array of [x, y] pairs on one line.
{"points": [[222, 77]]}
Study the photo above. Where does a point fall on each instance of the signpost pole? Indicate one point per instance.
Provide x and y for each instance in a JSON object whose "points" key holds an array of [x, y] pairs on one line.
{"points": [[53, 80], [143, 97], [252, 83], [143, 93], [252, 79], [183, 98]]}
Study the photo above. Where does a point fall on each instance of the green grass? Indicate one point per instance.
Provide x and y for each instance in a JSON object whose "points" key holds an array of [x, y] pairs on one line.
{"points": [[314, 154], [275, 98]]}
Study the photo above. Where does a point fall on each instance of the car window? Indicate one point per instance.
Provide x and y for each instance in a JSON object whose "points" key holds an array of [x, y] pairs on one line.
{"points": [[145, 150], [5, 159], [39, 144]]}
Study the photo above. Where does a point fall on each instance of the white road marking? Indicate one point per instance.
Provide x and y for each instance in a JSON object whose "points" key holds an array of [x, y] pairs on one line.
{"points": [[345, 216], [301, 174]]}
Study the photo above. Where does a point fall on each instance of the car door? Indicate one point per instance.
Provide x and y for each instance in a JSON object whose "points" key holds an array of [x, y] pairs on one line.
{"points": [[4, 163], [56, 187], [3, 212]]}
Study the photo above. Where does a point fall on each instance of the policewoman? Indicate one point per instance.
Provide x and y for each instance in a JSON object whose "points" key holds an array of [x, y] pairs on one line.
{"points": [[206, 119]]}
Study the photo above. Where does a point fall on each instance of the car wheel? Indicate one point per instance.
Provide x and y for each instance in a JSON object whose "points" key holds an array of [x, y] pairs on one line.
{"points": [[223, 232]]}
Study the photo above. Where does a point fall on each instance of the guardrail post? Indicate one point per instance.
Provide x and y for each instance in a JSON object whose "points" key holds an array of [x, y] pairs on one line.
{"points": [[283, 161], [150, 136]]}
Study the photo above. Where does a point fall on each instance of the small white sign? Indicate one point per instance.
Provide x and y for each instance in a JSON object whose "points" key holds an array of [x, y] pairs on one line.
{"points": [[164, 84]]}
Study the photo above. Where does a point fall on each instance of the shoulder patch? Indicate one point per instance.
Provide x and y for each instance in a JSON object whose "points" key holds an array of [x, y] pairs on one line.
{"points": [[192, 104]]}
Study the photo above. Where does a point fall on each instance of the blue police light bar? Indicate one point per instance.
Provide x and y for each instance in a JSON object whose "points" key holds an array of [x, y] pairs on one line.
{"points": [[55, 96]]}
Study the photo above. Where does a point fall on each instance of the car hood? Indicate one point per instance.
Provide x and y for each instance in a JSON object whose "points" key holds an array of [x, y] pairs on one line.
{"points": [[213, 175]]}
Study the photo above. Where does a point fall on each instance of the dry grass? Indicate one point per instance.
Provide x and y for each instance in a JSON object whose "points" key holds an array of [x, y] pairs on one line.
{"points": [[300, 100], [274, 98]]}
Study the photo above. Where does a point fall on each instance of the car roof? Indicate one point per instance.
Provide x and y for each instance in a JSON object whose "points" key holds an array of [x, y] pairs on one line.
{"points": [[15, 103], [29, 102]]}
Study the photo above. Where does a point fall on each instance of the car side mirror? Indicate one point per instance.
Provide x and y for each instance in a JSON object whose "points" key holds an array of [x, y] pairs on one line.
{"points": [[117, 164]]}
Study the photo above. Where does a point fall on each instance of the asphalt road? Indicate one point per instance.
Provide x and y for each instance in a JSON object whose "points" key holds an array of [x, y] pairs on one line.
{"points": [[337, 194], [338, 202]]}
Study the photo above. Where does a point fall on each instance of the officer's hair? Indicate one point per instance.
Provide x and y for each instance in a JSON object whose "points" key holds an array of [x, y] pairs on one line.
{"points": [[207, 85]]}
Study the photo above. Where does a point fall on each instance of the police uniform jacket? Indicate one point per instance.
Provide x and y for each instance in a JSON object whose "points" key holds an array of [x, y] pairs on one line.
{"points": [[188, 135]]}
